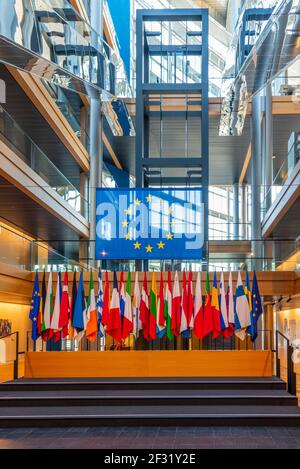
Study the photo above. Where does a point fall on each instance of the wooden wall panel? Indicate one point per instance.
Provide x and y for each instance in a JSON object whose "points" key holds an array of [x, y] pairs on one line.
{"points": [[147, 364]]}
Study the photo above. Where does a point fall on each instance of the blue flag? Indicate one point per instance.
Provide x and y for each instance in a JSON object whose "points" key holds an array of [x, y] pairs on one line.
{"points": [[78, 321], [257, 309], [35, 308]]}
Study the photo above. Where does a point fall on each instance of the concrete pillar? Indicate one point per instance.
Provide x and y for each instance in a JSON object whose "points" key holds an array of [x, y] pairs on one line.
{"points": [[96, 145], [244, 215], [235, 211], [233, 11], [268, 144], [256, 165]]}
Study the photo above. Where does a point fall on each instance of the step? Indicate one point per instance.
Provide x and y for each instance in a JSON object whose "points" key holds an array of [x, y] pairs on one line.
{"points": [[270, 383], [143, 416], [70, 397]]}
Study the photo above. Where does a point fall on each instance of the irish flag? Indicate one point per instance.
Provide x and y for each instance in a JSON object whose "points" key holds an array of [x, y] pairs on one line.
{"points": [[198, 310], [168, 307], [114, 325], [176, 307], [127, 320], [106, 300], [92, 319], [153, 308]]}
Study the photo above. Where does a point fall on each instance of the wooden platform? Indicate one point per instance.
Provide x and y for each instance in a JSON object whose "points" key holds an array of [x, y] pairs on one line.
{"points": [[138, 364]]}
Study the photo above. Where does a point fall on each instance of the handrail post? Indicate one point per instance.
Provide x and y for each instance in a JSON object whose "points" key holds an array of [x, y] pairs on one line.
{"points": [[291, 373], [277, 357], [16, 362]]}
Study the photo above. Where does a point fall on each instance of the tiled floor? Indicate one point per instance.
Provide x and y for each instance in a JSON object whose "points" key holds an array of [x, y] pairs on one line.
{"points": [[151, 437]]}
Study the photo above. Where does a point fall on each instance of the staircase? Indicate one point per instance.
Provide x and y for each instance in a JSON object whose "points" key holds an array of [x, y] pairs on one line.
{"points": [[145, 401]]}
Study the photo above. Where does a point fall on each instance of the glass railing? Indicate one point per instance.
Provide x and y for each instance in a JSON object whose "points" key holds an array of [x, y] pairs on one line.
{"points": [[13, 136], [282, 175], [67, 110], [22, 252]]}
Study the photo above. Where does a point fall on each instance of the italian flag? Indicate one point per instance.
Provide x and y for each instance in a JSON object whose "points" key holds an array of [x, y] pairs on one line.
{"points": [[168, 307], [128, 319], [153, 308], [176, 307], [91, 317], [160, 317], [198, 310]]}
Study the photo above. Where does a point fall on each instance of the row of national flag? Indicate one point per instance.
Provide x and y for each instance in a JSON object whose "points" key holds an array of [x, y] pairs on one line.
{"points": [[168, 309]]}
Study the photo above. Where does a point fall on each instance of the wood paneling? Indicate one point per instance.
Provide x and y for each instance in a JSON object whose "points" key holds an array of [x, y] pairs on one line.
{"points": [[15, 285], [147, 364]]}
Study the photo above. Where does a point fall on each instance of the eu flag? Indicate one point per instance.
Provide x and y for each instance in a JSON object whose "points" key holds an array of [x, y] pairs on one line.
{"points": [[149, 223], [257, 309], [35, 308]]}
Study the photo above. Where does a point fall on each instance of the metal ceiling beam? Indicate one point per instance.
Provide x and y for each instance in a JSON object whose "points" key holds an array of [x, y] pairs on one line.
{"points": [[180, 162]]}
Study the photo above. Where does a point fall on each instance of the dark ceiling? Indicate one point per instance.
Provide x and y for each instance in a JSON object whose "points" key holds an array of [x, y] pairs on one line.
{"points": [[23, 212]]}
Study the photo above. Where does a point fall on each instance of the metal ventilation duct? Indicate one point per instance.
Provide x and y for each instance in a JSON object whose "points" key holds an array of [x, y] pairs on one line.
{"points": [[276, 48]]}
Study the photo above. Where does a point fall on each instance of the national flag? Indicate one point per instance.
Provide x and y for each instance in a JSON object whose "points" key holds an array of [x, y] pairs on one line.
{"points": [[106, 301], [247, 289], [215, 308], [136, 304], [72, 306], [184, 329], [230, 309], [153, 308], [64, 315], [144, 310], [56, 310], [223, 306], [35, 308], [91, 316], [128, 318], [42, 306], [190, 316], [242, 310], [79, 317], [48, 309], [114, 324], [257, 309], [122, 296], [160, 317], [100, 304], [176, 307], [198, 310], [168, 307], [207, 315]]}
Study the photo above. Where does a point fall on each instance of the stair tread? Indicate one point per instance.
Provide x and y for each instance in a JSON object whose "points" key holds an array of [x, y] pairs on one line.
{"points": [[153, 393], [188, 379], [62, 412]]}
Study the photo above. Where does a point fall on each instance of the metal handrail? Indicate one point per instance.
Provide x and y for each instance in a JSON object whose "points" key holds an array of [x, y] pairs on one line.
{"points": [[16, 360], [291, 375]]}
